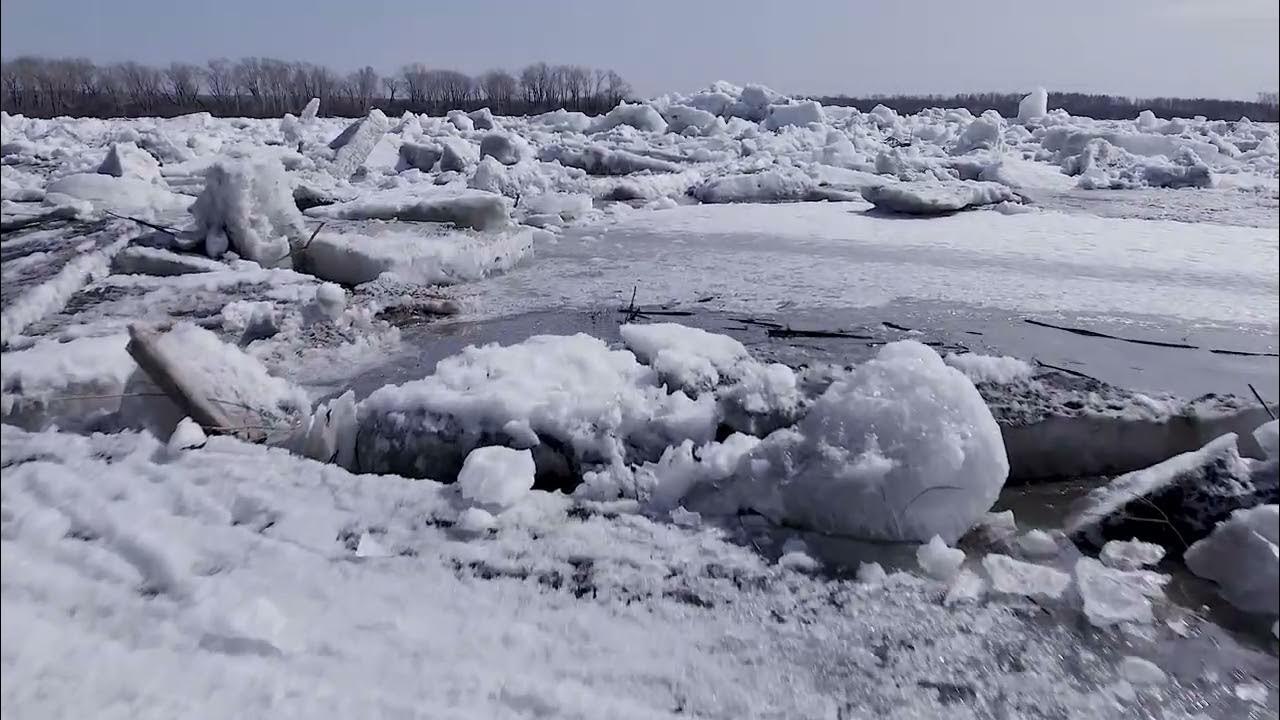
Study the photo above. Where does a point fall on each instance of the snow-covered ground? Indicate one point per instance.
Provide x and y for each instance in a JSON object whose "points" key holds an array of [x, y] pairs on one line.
{"points": [[710, 495]]}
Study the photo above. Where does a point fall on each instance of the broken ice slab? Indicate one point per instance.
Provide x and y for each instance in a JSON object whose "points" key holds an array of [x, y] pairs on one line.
{"points": [[1178, 501], [1059, 426]]}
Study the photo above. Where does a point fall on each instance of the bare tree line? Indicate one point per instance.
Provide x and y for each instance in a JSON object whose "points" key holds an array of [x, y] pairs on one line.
{"points": [[267, 87], [1098, 106]]}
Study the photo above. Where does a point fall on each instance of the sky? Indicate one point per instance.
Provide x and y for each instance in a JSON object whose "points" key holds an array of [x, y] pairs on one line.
{"points": [[1213, 48]]}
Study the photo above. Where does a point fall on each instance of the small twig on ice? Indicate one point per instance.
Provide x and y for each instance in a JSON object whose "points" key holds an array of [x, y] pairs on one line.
{"points": [[1069, 371], [143, 223], [1265, 406]]}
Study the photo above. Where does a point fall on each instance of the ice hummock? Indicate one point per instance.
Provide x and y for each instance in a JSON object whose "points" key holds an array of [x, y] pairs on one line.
{"points": [[248, 207], [902, 448]]}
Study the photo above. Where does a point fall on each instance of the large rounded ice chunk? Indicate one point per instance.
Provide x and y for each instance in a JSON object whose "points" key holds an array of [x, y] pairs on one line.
{"points": [[903, 448]]}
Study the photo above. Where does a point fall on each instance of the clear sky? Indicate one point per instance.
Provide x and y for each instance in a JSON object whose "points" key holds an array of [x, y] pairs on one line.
{"points": [[1218, 48]]}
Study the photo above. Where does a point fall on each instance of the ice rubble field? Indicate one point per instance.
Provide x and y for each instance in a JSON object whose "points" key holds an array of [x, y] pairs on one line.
{"points": [[727, 537]]}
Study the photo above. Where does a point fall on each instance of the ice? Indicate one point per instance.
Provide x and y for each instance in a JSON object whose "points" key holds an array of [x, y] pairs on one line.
{"points": [[1116, 596], [474, 209], [1178, 501], [600, 160], [123, 195], [753, 396], [188, 435], [983, 133], [762, 187], [506, 148], [1130, 554], [143, 260], [426, 257], [802, 113], [457, 154], [354, 145], [226, 375], [682, 470], [1038, 544], [871, 573], [482, 119], [682, 117], [496, 476], [50, 291], [939, 561], [422, 156], [1033, 106], [639, 116], [329, 434], [250, 207], [475, 520], [126, 159], [1141, 671], [935, 198], [310, 110], [966, 587], [590, 404], [990, 368], [1268, 438], [1023, 578], [73, 383], [902, 448], [460, 120], [1242, 556]]}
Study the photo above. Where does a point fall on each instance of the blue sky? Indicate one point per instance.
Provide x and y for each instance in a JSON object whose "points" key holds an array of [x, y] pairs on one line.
{"points": [[1221, 48]]}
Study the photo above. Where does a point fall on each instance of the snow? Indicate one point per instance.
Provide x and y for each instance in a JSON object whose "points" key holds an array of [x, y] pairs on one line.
{"points": [[496, 476], [1130, 554], [1242, 556], [902, 448], [990, 369], [696, 505], [1023, 578], [939, 561], [126, 159], [424, 257], [249, 208], [465, 209]]}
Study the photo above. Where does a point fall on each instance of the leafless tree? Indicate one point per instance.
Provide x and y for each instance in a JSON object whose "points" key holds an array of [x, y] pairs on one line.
{"points": [[363, 86], [499, 88], [183, 84], [219, 77], [391, 84]]}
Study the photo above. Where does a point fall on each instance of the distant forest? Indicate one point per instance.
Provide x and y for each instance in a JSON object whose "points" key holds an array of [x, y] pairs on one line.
{"points": [[1097, 106], [266, 87]]}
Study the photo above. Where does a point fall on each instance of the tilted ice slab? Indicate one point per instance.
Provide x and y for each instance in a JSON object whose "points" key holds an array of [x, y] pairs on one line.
{"points": [[1242, 555], [472, 209], [1178, 501]]}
